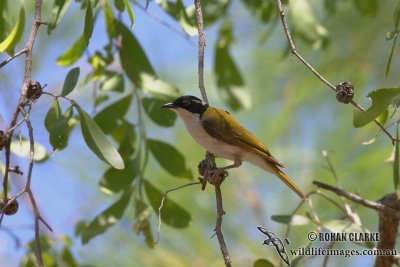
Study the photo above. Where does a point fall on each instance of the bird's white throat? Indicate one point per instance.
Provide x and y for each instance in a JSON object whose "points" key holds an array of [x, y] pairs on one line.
{"points": [[218, 148]]}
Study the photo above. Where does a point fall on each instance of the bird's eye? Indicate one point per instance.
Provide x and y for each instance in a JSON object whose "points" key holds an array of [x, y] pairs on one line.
{"points": [[185, 103]]}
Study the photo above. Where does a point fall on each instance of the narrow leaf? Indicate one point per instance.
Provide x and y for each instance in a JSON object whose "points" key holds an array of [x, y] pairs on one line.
{"points": [[389, 62], [60, 131], [70, 81], [58, 11], [133, 58], [89, 24], [52, 115], [109, 20], [109, 117], [228, 77], [114, 180], [142, 222], [169, 158], [156, 114], [21, 148], [72, 54], [106, 219], [15, 35], [130, 12], [112, 81], [381, 99], [98, 142], [171, 213], [290, 219]]}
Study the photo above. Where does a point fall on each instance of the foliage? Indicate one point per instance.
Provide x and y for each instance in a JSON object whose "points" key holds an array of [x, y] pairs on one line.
{"points": [[124, 127]]}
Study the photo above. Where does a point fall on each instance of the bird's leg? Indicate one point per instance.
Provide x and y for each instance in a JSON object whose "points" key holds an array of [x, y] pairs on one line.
{"points": [[221, 172]]}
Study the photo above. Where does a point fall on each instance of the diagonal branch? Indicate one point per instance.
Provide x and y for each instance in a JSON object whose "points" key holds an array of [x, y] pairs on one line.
{"points": [[357, 199], [319, 76]]}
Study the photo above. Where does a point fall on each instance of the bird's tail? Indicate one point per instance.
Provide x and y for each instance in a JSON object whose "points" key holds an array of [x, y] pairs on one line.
{"points": [[281, 175], [268, 166]]}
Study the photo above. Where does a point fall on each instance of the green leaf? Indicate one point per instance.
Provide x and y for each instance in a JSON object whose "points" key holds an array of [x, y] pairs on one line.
{"points": [[158, 88], [112, 81], [342, 226], [396, 170], [369, 7], [72, 54], [178, 11], [130, 12], [89, 24], [125, 135], [263, 263], [67, 259], [229, 79], [15, 35], [109, 20], [169, 158], [58, 11], [171, 213], [52, 115], [290, 219], [97, 141], [389, 62], [119, 5], [70, 81], [381, 99], [156, 114], [142, 222], [305, 23], [60, 131], [114, 180], [261, 9], [109, 117], [106, 219], [133, 59], [21, 148]]}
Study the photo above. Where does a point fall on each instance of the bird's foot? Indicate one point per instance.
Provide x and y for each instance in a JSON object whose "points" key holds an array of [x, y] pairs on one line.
{"points": [[217, 176]]}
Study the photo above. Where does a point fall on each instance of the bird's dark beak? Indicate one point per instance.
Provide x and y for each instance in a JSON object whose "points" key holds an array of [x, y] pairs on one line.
{"points": [[168, 105]]}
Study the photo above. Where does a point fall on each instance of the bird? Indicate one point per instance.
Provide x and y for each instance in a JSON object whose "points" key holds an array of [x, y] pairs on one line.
{"points": [[222, 135]]}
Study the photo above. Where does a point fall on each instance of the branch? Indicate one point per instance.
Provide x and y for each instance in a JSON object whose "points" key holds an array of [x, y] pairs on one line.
{"points": [[357, 199], [23, 101], [201, 44], [319, 76], [6, 61], [162, 204], [218, 224], [210, 159]]}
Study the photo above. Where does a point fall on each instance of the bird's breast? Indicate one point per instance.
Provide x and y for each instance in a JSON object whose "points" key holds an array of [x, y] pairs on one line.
{"points": [[216, 147]]}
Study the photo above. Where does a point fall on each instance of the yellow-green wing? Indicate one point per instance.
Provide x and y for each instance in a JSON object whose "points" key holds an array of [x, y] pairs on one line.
{"points": [[222, 126]]}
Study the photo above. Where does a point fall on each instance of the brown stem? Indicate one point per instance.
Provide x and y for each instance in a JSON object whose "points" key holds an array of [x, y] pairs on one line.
{"points": [[201, 44], [308, 65], [218, 224], [357, 199]]}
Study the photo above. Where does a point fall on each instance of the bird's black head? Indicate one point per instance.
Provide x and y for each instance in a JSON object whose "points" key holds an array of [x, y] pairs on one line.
{"points": [[189, 103]]}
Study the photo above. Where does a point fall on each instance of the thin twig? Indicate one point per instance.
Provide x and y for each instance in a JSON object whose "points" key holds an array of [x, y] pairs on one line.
{"points": [[218, 225], [357, 199], [162, 204], [201, 44], [154, 16], [5, 62], [210, 159], [38, 250], [308, 65]]}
